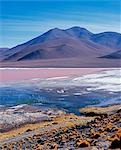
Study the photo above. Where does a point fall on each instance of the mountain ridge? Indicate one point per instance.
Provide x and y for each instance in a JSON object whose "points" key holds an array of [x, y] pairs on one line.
{"points": [[114, 55], [66, 43]]}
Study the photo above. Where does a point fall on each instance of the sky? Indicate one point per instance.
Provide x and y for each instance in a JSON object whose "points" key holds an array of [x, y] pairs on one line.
{"points": [[22, 20]]}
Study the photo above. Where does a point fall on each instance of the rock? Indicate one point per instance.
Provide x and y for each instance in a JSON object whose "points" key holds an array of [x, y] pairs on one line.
{"points": [[118, 111], [94, 142], [116, 143], [109, 127], [119, 133], [114, 128], [63, 137], [54, 146], [71, 132], [101, 130], [96, 136], [39, 141], [28, 130], [100, 111], [54, 123], [111, 138], [82, 143], [92, 131], [37, 147]]}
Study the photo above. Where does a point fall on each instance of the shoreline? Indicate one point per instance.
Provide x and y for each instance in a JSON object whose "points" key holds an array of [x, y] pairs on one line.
{"points": [[20, 115], [17, 74], [70, 131], [31, 127]]}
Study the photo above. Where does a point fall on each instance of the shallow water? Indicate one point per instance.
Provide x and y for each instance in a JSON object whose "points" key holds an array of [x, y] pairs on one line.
{"points": [[69, 93]]}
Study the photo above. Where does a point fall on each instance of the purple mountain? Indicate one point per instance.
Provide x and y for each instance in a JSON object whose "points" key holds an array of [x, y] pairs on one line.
{"points": [[3, 51], [74, 42], [114, 55]]}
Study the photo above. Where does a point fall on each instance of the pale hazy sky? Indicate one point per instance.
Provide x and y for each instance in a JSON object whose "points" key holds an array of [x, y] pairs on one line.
{"points": [[22, 20]]}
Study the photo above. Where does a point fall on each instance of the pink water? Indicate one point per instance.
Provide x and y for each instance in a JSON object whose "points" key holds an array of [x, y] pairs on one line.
{"points": [[11, 75]]}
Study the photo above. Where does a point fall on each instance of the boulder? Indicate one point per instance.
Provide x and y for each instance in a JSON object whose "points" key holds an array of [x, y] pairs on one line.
{"points": [[116, 143], [82, 143]]}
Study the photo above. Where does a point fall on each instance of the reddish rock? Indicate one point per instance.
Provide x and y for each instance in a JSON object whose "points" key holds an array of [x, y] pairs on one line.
{"points": [[116, 143], [54, 146], [82, 143], [96, 136], [119, 133], [28, 130], [37, 147]]}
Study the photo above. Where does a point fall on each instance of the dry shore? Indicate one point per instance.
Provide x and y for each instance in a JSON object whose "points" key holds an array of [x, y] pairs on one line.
{"points": [[18, 74], [14, 117], [68, 131]]}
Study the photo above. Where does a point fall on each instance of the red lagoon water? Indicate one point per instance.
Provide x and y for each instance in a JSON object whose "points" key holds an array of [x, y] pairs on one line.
{"points": [[14, 74]]}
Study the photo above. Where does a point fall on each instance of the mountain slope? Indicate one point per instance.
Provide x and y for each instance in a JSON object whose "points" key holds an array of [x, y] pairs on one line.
{"points": [[3, 51], [108, 39], [60, 48], [69, 43], [80, 33], [115, 55]]}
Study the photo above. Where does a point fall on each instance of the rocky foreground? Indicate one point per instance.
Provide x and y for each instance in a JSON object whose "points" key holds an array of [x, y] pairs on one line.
{"points": [[98, 129], [14, 117]]}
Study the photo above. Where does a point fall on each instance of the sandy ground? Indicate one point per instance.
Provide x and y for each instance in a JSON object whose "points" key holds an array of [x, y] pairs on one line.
{"points": [[14, 74], [69, 131], [16, 116], [75, 62]]}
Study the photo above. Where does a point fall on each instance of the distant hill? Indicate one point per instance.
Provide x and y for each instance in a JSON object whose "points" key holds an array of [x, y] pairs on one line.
{"points": [[115, 55], [108, 39], [3, 51], [75, 42]]}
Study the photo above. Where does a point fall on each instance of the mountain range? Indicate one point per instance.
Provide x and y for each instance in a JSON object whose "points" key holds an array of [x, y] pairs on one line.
{"points": [[72, 46]]}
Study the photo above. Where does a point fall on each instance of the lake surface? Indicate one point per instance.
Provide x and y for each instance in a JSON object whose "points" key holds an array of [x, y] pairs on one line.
{"points": [[66, 92]]}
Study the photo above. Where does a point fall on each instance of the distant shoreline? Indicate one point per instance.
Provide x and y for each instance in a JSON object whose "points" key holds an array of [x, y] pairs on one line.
{"points": [[18, 74]]}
